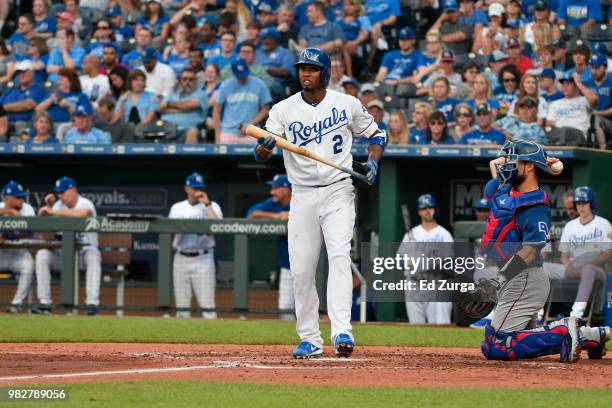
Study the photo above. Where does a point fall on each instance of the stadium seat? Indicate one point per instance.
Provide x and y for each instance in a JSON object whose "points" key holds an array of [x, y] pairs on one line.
{"points": [[599, 32], [569, 32], [564, 136], [383, 90], [155, 131], [571, 44], [115, 250], [127, 45], [392, 103], [406, 90], [461, 60], [563, 289]]}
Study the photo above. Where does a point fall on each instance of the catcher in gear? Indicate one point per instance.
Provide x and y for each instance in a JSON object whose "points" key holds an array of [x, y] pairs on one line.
{"points": [[516, 231]]}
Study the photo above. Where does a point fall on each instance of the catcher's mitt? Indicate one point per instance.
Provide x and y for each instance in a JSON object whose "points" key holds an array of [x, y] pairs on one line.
{"points": [[360, 168], [481, 301]]}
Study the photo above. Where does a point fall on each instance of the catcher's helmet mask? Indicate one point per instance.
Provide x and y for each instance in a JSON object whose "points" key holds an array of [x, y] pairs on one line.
{"points": [[521, 150]]}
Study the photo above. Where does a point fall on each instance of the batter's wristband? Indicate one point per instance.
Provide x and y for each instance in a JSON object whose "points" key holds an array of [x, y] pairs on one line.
{"points": [[378, 140], [513, 267]]}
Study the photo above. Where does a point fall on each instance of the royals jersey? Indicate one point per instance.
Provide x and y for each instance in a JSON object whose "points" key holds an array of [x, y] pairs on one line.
{"points": [[193, 242], [26, 211], [585, 241], [84, 238], [433, 243], [326, 129]]}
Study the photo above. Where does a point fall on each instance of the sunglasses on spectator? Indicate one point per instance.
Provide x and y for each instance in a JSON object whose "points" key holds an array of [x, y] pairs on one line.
{"points": [[527, 105], [509, 80], [465, 114], [436, 123], [103, 27], [189, 78]]}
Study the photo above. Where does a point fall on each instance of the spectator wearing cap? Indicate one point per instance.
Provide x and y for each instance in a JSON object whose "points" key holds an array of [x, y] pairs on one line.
{"points": [[601, 83], [110, 60], [507, 91], [45, 25], [417, 131], [62, 102], [70, 204], [94, 85], [187, 106], [66, 55], [41, 131], [116, 126], [581, 55], [457, 36], [227, 54], [351, 87], [445, 70], [160, 77], [65, 21], [579, 13], [277, 208], [399, 66], [529, 87], [241, 100], [482, 93], [497, 60], [137, 105], [287, 26], [377, 109], [437, 130], [482, 209], [176, 56], [560, 58], [486, 133], [276, 60], [491, 37], [356, 28], [123, 31], [82, 131], [133, 59], [265, 13], [21, 100], [155, 20], [319, 32], [574, 110], [548, 88], [441, 100], [367, 93], [598, 47], [473, 16], [20, 39], [431, 57], [515, 56], [524, 125], [247, 52], [540, 32]]}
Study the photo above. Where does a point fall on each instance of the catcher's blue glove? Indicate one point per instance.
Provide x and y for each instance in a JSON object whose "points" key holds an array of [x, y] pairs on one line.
{"points": [[372, 169], [267, 143]]}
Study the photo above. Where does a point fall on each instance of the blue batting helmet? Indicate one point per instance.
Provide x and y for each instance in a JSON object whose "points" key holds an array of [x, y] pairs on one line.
{"points": [[318, 58], [585, 194], [426, 201], [520, 150], [483, 204]]}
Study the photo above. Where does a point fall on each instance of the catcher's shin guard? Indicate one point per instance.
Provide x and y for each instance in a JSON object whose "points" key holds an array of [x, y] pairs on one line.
{"points": [[523, 344]]}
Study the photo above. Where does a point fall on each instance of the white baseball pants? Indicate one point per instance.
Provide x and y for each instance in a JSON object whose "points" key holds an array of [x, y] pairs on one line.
{"points": [[197, 272], [18, 261]]}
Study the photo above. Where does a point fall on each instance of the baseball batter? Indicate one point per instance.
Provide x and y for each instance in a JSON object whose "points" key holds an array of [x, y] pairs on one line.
{"points": [[194, 258], [516, 231], [16, 260], [322, 204]]}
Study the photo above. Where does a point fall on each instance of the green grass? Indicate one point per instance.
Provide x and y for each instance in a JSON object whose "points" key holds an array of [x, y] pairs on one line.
{"points": [[201, 394], [158, 330]]}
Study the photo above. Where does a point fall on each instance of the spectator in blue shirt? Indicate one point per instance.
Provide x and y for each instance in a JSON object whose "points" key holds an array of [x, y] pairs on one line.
{"points": [[20, 39], [21, 100], [485, 134], [472, 16], [208, 41], [227, 54], [176, 56], [601, 83], [301, 13], [581, 55], [399, 66], [155, 20], [266, 13], [579, 13], [440, 99], [62, 102], [548, 90], [276, 60], [137, 105], [67, 55], [524, 126], [243, 100], [133, 59], [319, 32], [42, 130], [437, 130], [186, 106], [102, 36], [377, 109], [123, 31], [45, 25], [39, 55], [356, 28], [382, 13], [82, 131], [417, 132]]}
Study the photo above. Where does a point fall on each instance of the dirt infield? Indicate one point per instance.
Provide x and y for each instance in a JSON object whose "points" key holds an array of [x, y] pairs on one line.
{"points": [[370, 366]]}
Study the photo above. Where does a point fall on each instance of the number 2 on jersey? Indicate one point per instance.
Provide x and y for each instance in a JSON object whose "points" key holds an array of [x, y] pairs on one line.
{"points": [[338, 144]]}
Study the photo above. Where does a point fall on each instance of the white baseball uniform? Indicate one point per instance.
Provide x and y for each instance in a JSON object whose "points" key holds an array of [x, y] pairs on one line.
{"points": [[322, 202], [429, 243], [581, 243], [89, 259], [194, 261], [19, 261]]}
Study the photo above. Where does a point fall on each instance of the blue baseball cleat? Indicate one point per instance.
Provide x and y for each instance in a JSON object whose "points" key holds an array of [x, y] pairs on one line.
{"points": [[480, 324], [307, 350], [344, 345]]}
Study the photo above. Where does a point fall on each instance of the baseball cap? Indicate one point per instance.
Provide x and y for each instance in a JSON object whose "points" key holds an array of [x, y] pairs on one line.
{"points": [[497, 56], [63, 184], [264, 7], [598, 59], [270, 32], [450, 6], [280, 180], [528, 101], [351, 81], [376, 104], [496, 9], [367, 87], [13, 188], [114, 12], [23, 66], [599, 48], [541, 5], [82, 110], [195, 180], [559, 43], [512, 43], [482, 204], [240, 68], [148, 54], [483, 108], [566, 77], [64, 15], [548, 73], [405, 33], [447, 55]]}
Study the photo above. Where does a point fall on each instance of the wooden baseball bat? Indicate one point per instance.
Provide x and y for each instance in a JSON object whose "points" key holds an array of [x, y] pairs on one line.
{"points": [[283, 143]]}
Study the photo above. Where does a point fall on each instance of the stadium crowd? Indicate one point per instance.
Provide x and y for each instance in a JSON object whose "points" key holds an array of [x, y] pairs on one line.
{"points": [[199, 71]]}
